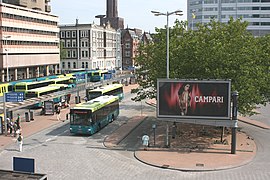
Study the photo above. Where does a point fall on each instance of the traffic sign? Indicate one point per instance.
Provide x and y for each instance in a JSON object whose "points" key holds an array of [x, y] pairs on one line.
{"points": [[14, 97]]}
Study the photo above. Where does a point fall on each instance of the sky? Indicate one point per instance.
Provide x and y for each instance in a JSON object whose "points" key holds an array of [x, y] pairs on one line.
{"points": [[136, 13]]}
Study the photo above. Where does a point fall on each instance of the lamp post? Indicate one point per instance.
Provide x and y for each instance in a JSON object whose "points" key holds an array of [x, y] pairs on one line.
{"points": [[6, 37], [167, 14]]}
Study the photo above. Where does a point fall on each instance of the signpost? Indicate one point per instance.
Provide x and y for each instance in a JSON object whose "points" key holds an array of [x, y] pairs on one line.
{"points": [[11, 97]]}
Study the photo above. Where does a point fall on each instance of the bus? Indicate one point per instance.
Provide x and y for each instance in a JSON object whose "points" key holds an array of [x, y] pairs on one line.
{"points": [[69, 81], [4, 88], [37, 92], [89, 117], [25, 86], [112, 89], [98, 75]]}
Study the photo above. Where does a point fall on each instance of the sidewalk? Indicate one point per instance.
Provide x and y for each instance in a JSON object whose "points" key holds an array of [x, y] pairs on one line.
{"points": [[42, 122], [216, 157]]}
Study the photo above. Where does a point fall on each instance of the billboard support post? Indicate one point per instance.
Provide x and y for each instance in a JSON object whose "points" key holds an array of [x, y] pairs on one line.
{"points": [[234, 118]]}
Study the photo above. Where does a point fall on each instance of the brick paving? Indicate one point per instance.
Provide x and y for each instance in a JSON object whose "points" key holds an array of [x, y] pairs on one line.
{"points": [[215, 158]]}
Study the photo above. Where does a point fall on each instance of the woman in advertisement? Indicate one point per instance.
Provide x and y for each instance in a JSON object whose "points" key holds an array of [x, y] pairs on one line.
{"points": [[184, 99]]}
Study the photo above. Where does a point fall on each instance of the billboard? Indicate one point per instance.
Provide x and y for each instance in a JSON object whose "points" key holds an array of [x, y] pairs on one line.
{"points": [[193, 99]]}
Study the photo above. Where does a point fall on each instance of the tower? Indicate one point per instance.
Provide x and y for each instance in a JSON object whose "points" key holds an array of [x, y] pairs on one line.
{"points": [[112, 9], [111, 16]]}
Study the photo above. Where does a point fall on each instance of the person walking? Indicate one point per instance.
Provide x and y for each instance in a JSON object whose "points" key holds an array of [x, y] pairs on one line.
{"points": [[20, 142], [11, 126], [58, 113], [18, 121]]}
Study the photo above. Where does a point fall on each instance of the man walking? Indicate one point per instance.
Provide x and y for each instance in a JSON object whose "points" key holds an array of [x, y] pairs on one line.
{"points": [[20, 142]]}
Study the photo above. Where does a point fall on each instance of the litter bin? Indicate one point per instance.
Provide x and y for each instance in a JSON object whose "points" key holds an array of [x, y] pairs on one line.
{"points": [[27, 119], [31, 115]]}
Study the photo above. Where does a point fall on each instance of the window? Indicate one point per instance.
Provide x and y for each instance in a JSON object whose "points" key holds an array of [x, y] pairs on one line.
{"points": [[68, 43], [73, 34], [63, 65], [73, 43], [62, 34], [86, 65], [74, 64], [68, 34], [68, 65], [127, 45], [82, 64], [74, 54], [127, 53]]}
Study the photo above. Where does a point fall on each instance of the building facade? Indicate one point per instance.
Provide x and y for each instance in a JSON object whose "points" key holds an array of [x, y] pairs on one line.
{"points": [[40, 5], [130, 42], [90, 46], [29, 43], [256, 12]]}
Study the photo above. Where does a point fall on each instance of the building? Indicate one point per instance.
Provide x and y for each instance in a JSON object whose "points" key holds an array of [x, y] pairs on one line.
{"points": [[256, 12], [29, 43], [90, 46], [40, 5], [112, 16], [131, 39]]}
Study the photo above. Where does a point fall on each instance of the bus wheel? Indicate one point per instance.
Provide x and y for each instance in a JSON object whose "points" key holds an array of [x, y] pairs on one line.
{"points": [[112, 118], [99, 127]]}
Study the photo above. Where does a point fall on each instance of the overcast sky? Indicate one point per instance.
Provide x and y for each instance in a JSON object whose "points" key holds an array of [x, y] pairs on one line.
{"points": [[136, 13]]}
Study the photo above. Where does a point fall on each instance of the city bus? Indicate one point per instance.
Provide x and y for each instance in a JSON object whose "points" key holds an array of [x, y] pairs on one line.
{"points": [[112, 89], [69, 81], [89, 117], [98, 75], [37, 92], [25, 86]]}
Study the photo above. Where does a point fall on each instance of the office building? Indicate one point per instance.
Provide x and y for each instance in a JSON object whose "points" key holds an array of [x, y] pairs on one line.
{"points": [[29, 43], [256, 12], [90, 46]]}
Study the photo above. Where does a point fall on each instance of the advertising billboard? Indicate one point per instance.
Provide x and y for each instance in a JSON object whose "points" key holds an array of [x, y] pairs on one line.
{"points": [[193, 99]]}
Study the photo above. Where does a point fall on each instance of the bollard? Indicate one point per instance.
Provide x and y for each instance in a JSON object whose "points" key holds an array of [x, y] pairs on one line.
{"points": [[27, 119], [31, 115], [67, 116], [76, 100]]}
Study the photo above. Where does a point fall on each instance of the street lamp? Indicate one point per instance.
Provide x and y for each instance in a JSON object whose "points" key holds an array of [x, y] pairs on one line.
{"points": [[157, 13], [6, 37]]}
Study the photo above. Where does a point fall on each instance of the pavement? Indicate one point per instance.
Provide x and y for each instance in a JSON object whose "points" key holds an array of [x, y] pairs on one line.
{"points": [[216, 157]]}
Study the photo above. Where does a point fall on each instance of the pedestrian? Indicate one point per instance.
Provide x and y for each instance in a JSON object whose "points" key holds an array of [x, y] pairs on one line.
{"points": [[8, 124], [145, 141], [18, 121], [85, 99], [58, 113], [15, 129], [11, 126], [20, 142]]}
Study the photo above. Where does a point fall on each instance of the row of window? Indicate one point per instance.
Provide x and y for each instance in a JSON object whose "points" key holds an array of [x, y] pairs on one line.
{"points": [[28, 19], [246, 8], [245, 16], [85, 33], [28, 31], [199, 2], [29, 43], [85, 65]]}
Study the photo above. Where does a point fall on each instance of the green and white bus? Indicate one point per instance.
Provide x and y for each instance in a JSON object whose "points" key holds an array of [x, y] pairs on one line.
{"points": [[89, 117], [112, 89], [37, 92], [25, 86]]}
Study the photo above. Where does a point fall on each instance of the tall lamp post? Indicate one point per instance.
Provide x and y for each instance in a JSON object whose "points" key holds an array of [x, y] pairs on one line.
{"points": [[167, 14], [6, 37]]}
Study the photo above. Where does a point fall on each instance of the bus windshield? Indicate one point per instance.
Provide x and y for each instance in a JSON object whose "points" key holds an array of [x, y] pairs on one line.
{"points": [[93, 95], [81, 117]]}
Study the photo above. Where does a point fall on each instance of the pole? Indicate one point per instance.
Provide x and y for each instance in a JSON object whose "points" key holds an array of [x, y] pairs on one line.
{"points": [[234, 118], [5, 113], [168, 57]]}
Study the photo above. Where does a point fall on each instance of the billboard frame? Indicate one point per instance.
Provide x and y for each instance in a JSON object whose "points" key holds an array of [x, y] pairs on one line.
{"points": [[185, 117]]}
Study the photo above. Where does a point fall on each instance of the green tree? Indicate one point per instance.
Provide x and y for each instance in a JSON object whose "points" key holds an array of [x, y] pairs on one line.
{"points": [[63, 52], [215, 51]]}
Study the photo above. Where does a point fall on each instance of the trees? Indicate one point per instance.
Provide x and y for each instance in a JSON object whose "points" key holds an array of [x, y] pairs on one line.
{"points": [[215, 51]]}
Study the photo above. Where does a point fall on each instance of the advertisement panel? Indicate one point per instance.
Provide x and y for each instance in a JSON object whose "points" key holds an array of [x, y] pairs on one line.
{"points": [[193, 99]]}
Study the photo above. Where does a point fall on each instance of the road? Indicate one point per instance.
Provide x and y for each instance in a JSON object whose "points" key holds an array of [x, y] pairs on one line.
{"points": [[61, 155]]}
